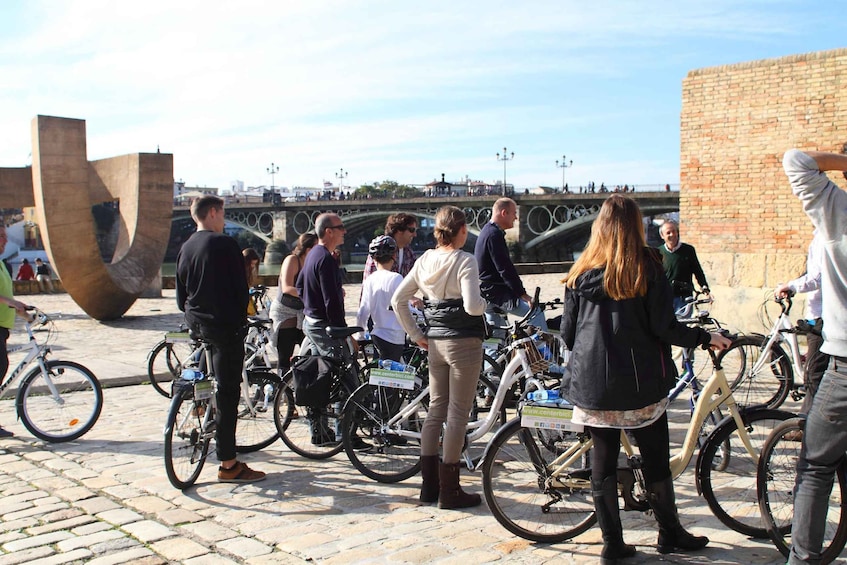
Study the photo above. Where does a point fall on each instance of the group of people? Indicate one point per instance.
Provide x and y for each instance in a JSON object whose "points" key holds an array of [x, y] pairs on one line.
{"points": [[41, 274], [619, 324]]}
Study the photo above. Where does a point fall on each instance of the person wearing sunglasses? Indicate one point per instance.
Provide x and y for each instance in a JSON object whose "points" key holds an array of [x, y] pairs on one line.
{"points": [[402, 228]]}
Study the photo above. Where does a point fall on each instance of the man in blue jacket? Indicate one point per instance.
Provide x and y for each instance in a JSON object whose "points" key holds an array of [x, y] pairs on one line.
{"points": [[499, 282]]}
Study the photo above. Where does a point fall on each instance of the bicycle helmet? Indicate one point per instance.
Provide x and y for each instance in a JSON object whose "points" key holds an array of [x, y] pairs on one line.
{"points": [[382, 248]]}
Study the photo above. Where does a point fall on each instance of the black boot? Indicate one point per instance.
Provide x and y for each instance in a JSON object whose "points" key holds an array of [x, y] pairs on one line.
{"points": [[672, 536], [450, 494], [429, 474], [605, 495]]}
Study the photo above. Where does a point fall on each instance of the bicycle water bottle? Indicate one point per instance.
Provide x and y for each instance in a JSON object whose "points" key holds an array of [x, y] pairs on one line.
{"points": [[192, 374], [268, 390], [544, 395], [393, 365]]}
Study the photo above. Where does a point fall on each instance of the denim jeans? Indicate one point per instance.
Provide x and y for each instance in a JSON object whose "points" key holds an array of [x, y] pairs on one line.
{"points": [[824, 444], [516, 307]]}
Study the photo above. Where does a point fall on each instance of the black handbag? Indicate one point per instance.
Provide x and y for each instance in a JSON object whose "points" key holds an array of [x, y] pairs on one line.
{"points": [[293, 302], [313, 376]]}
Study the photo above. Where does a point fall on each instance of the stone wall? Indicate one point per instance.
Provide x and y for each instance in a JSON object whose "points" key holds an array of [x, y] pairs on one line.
{"points": [[736, 206]]}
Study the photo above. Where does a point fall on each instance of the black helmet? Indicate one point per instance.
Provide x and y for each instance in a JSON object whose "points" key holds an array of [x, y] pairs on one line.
{"points": [[382, 248]]}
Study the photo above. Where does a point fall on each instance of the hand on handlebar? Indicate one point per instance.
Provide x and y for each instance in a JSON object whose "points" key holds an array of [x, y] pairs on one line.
{"points": [[782, 291], [718, 341]]}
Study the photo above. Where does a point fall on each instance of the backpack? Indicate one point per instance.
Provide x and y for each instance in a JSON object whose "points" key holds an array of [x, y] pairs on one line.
{"points": [[313, 377]]}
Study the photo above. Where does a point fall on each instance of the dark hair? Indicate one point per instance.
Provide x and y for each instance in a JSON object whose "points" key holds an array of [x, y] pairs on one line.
{"points": [[448, 221], [399, 222], [305, 242], [200, 207], [250, 254]]}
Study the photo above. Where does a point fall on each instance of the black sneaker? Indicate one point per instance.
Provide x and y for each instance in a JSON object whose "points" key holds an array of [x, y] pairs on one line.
{"points": [[5, 433], [359, 444]]}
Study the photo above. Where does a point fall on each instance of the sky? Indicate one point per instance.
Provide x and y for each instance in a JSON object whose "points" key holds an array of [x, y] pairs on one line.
{"points": [[385, 90]]}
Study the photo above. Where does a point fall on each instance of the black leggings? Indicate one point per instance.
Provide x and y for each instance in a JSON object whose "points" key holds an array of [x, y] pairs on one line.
{"points": [[653, 444]]}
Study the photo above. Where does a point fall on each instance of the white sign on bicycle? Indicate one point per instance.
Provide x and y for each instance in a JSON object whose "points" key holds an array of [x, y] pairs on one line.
{"points": [[393, 379], [177, 337], [549, 418]]}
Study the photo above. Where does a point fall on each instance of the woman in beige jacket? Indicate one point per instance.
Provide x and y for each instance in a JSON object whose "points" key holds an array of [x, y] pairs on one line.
{"points": [[448, 278]]}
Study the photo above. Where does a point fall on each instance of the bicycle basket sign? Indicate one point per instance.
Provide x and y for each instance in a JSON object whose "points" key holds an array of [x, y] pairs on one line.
{"points": [[312, 380], [549, 418], [393, 379]]}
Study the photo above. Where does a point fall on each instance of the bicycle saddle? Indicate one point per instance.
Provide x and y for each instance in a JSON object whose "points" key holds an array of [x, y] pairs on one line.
{"points": [[340, 333]]}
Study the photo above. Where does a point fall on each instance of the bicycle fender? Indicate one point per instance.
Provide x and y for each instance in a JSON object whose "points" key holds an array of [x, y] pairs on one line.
{"points": [[759, 412]]}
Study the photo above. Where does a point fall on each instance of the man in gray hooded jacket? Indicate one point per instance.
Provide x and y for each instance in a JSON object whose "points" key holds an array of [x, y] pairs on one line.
{"points": [[825, 437]]}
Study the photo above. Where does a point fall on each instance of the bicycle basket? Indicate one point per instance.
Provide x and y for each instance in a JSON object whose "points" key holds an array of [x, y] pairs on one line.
{"points": [[547, 353]]}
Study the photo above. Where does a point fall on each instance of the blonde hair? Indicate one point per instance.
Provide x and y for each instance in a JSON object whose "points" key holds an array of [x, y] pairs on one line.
{"points": [[448, 221], [617, 245]]}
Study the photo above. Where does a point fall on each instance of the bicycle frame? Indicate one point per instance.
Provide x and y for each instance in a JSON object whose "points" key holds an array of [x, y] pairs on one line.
{"points": [[715, 393], [781, 327], [36, 352]]}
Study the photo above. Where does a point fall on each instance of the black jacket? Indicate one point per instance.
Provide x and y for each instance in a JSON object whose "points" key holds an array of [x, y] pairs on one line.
{"points": [[498, 279], [620, 349]]}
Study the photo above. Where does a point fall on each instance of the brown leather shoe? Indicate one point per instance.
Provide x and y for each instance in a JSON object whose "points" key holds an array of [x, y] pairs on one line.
{"points": [[239, 473]]}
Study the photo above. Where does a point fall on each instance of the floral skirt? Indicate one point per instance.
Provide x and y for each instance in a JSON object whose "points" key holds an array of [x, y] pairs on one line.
{"points": [[620, 419]]}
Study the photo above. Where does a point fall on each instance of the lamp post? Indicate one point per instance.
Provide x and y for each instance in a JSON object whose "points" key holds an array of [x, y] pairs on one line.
{"points": [[505, 158], [272, 170], [565, 164], [341, 175]]}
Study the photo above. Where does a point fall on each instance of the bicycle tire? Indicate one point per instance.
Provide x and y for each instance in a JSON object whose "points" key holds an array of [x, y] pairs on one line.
{"points": [[731, 492], [724, 454], [770, 385], [294, 424], [62, 419], [776, 474], [256, 428], [165, 362], [515, 481], [186, 445]]}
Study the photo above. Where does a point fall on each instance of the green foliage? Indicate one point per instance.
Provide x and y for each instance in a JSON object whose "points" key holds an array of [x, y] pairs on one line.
{"points": [[387, 189], [247, 239]]}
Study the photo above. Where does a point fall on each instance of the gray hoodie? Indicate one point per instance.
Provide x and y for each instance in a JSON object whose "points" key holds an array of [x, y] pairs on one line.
{"points": [[826, 206]]}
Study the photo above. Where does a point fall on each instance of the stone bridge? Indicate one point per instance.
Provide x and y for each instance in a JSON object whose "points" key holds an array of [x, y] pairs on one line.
{"points": [[550, 226]]}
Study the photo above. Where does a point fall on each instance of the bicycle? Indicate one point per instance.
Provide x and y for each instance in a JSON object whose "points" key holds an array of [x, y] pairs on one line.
{"points": [[57, 401], [537, 481], [758, 368], [775, 480], [388, 417], [177, 350], [190, 425]]}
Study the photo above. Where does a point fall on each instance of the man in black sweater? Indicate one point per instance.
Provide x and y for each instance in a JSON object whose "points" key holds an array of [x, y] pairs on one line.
{"points": [[211, 288], [681, 264], [499, 282]]}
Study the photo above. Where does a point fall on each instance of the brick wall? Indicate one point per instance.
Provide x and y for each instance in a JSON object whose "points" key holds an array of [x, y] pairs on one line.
{"points": [[736, 206]]}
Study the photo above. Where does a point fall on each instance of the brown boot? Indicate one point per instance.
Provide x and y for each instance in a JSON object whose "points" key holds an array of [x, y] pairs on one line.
{"points": [[429, 474], [450, 494]]}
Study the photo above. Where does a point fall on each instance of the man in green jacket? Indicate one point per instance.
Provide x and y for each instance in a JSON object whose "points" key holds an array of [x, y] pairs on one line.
{"points": [[681, 264]]}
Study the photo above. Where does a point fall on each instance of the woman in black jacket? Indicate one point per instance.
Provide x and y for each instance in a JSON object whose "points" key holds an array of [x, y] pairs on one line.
{"points": [[619, 325]]}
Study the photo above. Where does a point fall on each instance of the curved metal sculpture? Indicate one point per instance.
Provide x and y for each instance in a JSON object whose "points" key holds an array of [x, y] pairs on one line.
{"points": [[65, 185]]}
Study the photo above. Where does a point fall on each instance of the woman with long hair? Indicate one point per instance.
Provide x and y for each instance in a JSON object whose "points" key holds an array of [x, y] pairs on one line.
{"points": [[448, 278], [287, 308], [619, 324]]}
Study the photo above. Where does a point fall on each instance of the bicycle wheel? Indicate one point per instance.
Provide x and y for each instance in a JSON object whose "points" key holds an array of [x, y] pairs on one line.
{"points": [[777, 472], [378, 451], [518, 485], [724, 454], [296, 424], [256, 428], [62, 404], [757, 377], [164, 364], [480, 410], [730, 490], [186, 444]]}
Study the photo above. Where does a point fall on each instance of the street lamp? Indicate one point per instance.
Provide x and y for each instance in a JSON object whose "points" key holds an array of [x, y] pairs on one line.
{"points": [[272, 170], [505, 158], [341, 175], [565, 164]]}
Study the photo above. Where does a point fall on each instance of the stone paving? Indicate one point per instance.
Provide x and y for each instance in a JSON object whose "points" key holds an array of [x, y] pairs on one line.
{"points": [[105, 499]]}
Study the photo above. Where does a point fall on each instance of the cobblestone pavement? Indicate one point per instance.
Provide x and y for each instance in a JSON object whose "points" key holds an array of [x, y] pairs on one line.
{"points": [[105, 498]]}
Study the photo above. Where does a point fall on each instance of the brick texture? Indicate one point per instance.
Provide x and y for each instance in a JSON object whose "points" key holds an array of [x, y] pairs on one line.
{"points": [[736, 123]]}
